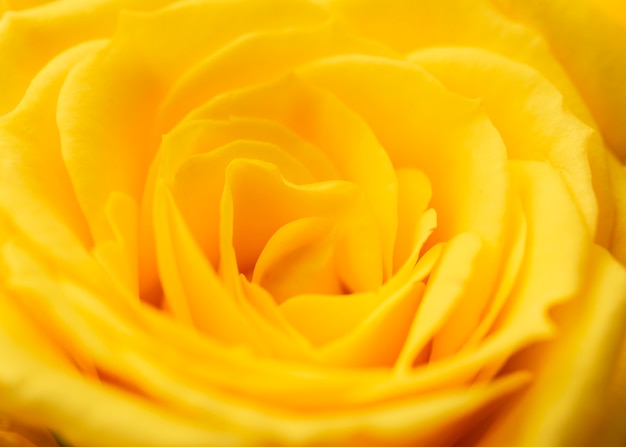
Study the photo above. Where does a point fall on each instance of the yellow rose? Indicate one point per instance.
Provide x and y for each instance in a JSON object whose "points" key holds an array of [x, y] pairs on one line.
{"points": [[292, 222]]}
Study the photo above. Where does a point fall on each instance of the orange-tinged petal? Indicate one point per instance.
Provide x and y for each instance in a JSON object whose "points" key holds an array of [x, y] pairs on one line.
{"points": [[119, 255], [13, 434], [359, 258], [128, 71], [611, 431], [298, 259], [198, 184], [244, 179], [292, 169], [191, 285], [196, 181], [17, 324], [336, 131], [324, 317], [264, 201]]}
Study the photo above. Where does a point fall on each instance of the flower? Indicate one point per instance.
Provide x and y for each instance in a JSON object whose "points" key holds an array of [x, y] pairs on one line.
{"points": [[294, 222]]}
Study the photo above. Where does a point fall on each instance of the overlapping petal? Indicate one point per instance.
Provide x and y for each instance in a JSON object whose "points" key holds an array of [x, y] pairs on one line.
{"points": [[312, 223]]}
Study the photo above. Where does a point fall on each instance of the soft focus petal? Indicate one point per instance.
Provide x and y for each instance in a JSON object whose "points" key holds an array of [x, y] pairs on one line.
{"points": [[32, 389], [533, 121], [13, 434], [408, 25], [591, 47], [559, 410], [34, 177], [617, 176]]}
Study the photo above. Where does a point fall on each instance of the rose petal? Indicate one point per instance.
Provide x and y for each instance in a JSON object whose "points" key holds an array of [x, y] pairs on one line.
{"points": [[407, 25], [57, 26], [423, 125], [447, 286], [298, 259], [617, 175], [31, 387], [559, 410], [414, 193], [255, 58], [533, 121], [590, 45], [336, 131], [34, 177]]}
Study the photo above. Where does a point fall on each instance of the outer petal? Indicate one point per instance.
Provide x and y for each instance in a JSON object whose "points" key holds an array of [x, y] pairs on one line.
{"points": [[618, 182], [408, 25], [31, 389], [561, 408], [592, 48], [533, 120], [34, 180], [32, 32], [13, 434], [611, 432]]}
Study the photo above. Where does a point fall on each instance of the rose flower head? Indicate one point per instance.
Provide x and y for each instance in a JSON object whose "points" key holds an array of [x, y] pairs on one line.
{"points": [[312, 223]]}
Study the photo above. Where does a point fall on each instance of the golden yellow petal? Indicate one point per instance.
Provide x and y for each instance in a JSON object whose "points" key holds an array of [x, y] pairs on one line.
{"points": [[14, 434], [528, 112], [560, 408], [590, 45]]}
